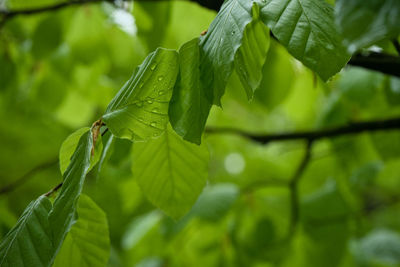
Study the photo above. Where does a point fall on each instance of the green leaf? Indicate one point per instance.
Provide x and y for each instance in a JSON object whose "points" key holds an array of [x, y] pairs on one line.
{"points": [[69, 145], [252, 54], [306, 28], [29, 243], [220, 44], [366, 22], [189, 106], [62, 216], [140, 109], [170, 172], [88, 242]]}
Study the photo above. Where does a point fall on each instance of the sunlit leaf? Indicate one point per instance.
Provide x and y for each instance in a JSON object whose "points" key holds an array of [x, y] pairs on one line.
{"points": [[140, 109], [171, 172], [87, 243]]}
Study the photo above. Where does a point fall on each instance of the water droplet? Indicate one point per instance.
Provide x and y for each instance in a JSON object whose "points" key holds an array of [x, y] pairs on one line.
{"points": [[141, 119], [161, 92], [150, 101], [233, 32], [153, 124], [141, 85], [155, 110], [155, 134], [139, 104], [153, 67], [160, 78]]}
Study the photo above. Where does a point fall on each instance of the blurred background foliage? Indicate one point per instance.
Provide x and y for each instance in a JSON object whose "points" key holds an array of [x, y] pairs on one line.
{"points": [[59, 70]]}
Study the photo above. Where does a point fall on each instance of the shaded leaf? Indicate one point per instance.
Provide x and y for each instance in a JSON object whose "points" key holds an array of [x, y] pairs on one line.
{"points": [[306, 28], [220, 44], [140, 109], [365, 22], [62, 216], [189, 106], [29, 243]]}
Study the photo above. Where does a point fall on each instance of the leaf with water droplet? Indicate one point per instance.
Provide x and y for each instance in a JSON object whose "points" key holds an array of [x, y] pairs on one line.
{"points": [[129, 115]]}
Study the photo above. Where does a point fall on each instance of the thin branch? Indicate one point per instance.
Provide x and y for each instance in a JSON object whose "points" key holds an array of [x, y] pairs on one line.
{"points": [[353, 128], [55, 189], [293, 187], [24, 178]]}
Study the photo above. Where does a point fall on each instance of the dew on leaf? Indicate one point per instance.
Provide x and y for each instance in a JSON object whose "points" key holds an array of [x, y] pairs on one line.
{"points": [[153, 67]]}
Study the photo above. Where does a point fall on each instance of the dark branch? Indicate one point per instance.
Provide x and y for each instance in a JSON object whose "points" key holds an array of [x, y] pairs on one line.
{"points": [[23, 179], [384, 63], [293, 187], [353, 128]]}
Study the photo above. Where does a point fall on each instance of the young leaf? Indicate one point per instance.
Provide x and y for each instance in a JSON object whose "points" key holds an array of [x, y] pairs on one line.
{"points": [[29, 243], [252, 54], [87, 243], [62, 216], [170, 172], [189, 106], [140, 109], [365, 22], [306, 28], [69, 145], [220, 44]]}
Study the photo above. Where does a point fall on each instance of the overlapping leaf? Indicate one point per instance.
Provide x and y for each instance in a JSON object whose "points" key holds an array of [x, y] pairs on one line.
{"points": [[62, 216], [220, 44], [170, 172], [40, 231], [140, 109], [252, 53], [189, 106], [87, 243], [306, 28]]}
